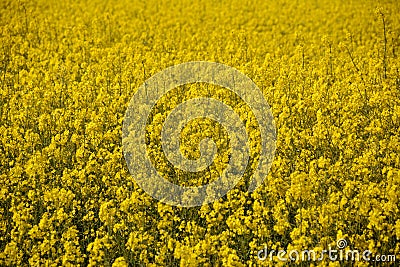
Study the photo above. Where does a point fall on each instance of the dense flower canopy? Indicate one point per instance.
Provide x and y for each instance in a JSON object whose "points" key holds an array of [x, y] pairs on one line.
{"points": [[68, 69]]}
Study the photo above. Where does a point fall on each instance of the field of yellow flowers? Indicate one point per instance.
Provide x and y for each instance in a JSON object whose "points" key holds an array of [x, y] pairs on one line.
{"points": [[68, 69]]}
